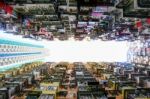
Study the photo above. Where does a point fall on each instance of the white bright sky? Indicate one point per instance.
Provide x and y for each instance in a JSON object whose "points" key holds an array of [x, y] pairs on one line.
{"points": [[93, 51], [80, 51]]}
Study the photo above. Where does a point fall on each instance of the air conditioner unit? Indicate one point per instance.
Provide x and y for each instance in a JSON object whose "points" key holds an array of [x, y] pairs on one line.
{"points": [[2, 11]]}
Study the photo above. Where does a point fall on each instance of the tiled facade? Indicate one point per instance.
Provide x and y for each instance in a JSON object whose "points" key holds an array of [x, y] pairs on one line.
{"points": [[13, 52]]}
